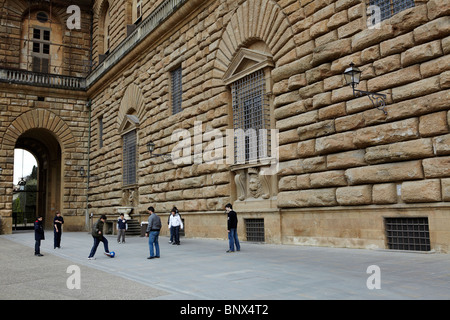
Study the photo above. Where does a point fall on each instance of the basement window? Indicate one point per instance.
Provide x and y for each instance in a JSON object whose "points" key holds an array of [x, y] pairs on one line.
{"points": [[408, 233], [254, 229]]}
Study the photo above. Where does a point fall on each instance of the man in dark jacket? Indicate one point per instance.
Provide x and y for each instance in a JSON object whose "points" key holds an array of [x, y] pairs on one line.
{"points": [[38, 236], [97, 234], [232, 228], [58, 221]]}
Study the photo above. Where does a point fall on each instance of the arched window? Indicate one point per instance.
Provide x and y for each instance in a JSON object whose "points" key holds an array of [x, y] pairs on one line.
{"points": [[249, 79], [137, 11], [104, 36], [128, 131]]}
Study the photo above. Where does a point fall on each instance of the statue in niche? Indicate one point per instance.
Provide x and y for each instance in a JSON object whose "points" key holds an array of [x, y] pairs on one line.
{"points": [[128, 198]]}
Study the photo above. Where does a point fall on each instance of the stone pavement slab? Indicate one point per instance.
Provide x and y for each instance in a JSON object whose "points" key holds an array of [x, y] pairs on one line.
{"points": [[200, 269]]}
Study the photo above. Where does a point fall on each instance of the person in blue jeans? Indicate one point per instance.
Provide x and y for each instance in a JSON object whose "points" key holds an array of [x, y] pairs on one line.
{"points": [[97, 235], [152, 232], [232, 229]]}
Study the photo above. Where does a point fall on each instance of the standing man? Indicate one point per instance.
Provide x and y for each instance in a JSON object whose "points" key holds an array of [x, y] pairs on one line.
{"points": [[97, 234], [153, 228], [175, 223], [58, 221], [38, 236], [122, 226], [232, 228]]}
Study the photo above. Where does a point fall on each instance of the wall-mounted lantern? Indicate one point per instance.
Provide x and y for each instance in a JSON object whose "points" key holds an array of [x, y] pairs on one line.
{"points": [[352, 75]]}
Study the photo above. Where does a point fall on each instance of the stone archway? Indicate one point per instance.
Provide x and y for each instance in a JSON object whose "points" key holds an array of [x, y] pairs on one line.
{"points": [[257, 20], [50, 140]]}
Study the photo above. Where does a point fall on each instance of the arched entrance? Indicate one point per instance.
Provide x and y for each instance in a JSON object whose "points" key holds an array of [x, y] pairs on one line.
{"points": [[48, 137], [47, 151]]}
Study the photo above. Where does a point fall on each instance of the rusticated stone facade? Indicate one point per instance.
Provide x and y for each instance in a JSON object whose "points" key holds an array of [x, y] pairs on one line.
{"points": [[344, 165]]}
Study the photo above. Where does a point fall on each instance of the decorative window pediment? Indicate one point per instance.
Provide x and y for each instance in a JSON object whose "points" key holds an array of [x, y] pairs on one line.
{"points": [[245, 62], [129, 122]]}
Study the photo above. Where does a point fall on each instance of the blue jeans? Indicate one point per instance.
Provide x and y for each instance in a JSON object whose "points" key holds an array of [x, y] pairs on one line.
{"points": [[96, 243], [153, 240], [233, 239]]}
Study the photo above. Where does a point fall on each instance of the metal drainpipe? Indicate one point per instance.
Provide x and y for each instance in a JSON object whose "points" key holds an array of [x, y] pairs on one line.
{"points": [[87, 224]]}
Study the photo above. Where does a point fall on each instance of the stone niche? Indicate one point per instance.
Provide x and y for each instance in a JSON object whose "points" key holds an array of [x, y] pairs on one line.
{"points": [[129, 202], [254, 190]]}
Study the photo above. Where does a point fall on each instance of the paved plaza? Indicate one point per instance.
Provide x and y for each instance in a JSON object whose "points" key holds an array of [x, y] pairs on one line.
{"points": [[200, 269]]}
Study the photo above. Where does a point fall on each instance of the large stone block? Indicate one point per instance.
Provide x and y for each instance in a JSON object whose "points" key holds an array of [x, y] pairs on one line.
{"points": [[307, 198], [437, 167], [332, 178], [438, 8], [421, 53], [415, 149], [348, 159], [355, 195], [445, 186], [396, 45], [435, 29], [385, 193], [421, 191], [331, 51], [316, 129], [402, 171], [369, 37], [433, 124], [387, 133], [335, 143], [394, 79], [441, 145]]}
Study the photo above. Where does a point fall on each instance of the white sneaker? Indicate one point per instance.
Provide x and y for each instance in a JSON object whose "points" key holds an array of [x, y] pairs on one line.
{"points": [[91, 258]]}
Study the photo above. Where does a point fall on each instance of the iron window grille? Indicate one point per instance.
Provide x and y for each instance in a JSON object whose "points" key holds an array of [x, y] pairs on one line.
{"points": [[388, 8], [129, 158], [251, 112], [100, 132], [408, 233], [176, 90], [254, 229]]}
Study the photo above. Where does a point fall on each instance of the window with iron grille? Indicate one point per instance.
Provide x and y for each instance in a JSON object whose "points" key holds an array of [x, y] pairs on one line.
{"points": [[408, 234], [254, 229], [176, 90], [129, 158], [388, 8], [100, 132], [250, 118]]}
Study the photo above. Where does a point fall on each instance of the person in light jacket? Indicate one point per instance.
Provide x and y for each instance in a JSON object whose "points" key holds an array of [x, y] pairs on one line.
{"points": [[175, 223]]}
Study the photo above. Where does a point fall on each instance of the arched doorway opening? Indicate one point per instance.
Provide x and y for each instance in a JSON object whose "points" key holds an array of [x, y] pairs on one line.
{"points": [[43, 145], [25, 190]]}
